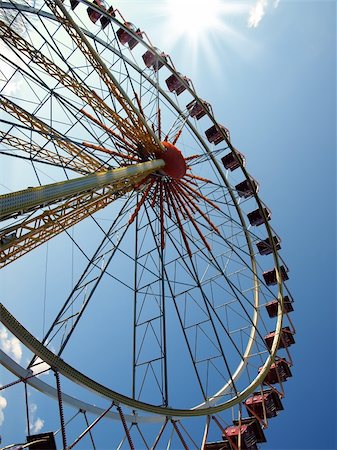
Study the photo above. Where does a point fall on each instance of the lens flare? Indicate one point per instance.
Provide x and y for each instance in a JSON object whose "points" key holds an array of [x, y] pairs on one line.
{"points": [[193, 17], [201, 29]]}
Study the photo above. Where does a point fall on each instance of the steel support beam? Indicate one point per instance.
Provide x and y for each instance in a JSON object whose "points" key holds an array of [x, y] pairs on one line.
{"points": [[26, 200]]}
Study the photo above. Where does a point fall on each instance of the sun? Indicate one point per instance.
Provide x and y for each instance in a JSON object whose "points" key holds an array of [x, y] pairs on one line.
{"points": [[199, 29], [192, 18]]}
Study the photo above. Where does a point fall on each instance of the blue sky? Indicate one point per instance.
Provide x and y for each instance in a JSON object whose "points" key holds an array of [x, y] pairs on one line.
{"points": [[275, 88], [268, 68], [280, 105]]}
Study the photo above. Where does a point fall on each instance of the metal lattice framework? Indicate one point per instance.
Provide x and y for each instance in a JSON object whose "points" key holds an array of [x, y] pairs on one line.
{"points": [[167, 261]]}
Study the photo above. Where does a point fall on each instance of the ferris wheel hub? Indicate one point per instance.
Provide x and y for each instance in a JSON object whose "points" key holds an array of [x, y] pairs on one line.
{"points": [[175, 164]]}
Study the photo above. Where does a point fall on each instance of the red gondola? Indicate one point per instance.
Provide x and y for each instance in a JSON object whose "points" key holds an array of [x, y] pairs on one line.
{"points": [[250, 431], [175, 84], [272, 307], [265, 248], [215, 134], [105, 20], [92, 13], [267, 403], [232, 161], [279, 372], [287, 338], [256, 217], [247, 188], [270, 276], [151, 59], [197, 109], [125, 38]]}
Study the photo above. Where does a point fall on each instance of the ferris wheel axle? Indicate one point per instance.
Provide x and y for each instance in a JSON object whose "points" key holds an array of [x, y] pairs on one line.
{"points": [[19, 202]]}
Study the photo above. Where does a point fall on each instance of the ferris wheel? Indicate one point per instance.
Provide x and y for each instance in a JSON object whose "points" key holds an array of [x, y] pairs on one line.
{"points": [[141, 272]]}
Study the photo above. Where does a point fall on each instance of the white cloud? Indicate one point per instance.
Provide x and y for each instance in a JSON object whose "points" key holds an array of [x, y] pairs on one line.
{"points": [[32, 408], [276, 3], [257, 12], [3, 404], [37, 425], [10, 345]]}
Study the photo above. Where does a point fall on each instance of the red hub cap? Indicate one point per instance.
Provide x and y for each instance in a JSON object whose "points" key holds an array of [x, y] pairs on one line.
{"points": [[175, 165]]}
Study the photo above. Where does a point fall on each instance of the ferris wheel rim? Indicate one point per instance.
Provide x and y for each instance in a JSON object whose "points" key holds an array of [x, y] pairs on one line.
{"points": [[59, 365], [36, 383], [279, 322]]}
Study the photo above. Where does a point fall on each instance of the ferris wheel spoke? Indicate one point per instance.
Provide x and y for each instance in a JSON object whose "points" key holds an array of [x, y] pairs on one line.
{"points": [[208, 215], [84, 289], [177, 216], [171, 289], [27, 149], [212, 335], [27, 235], [192, 204], [137, 97], [158, 116], [113, 152], [189, 214], [38, 125], [80, 117], [123, 142], [248, 351], [149, 102], [149, 327], [213, 262], [142, 130], [36, 57], [213, 312], [176, 129], [209, 306], [237, 292]]}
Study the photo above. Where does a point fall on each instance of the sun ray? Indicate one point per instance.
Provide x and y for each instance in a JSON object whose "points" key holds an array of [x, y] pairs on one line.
{"points": [[202, 30]]}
